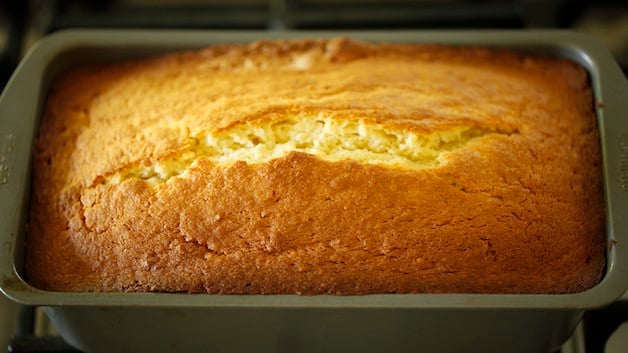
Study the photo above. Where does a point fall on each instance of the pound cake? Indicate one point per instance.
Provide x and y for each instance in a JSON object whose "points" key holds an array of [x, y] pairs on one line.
{"points": [[319, 166]]}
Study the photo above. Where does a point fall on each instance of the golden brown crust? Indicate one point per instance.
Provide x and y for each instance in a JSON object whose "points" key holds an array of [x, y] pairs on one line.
{"points": [[516, 212]]}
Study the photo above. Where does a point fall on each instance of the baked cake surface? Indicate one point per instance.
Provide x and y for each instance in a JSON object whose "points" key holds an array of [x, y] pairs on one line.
{"points": [[319, 166]]}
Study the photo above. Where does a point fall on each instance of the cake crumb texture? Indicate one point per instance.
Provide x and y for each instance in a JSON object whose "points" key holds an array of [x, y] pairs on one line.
{"points": [[319, 166]]}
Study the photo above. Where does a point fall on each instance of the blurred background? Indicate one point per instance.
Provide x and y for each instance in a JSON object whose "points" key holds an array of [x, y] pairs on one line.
{"points": [[22, 22]]}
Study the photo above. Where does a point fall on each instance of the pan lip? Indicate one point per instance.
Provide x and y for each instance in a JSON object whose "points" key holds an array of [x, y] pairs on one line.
{"points": [[605, 80]]}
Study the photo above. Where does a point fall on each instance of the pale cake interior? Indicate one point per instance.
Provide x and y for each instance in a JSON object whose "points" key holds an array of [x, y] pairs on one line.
{"points": [[329, 139]]}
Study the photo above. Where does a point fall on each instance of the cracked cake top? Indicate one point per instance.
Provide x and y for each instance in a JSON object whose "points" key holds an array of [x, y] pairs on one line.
{"points": [[319, 166]]}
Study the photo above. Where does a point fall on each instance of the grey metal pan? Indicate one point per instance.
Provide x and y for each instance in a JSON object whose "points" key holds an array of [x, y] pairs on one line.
{"points": [[105, 322]]}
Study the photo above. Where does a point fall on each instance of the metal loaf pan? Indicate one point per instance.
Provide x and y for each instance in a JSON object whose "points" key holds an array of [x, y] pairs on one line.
{"points": [[151, 322]]}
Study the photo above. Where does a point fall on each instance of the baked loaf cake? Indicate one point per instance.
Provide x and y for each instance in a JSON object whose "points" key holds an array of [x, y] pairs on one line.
{"points": [[319, 166]]}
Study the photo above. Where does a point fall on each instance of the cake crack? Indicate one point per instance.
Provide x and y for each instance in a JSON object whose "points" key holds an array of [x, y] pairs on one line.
{"points": [[329, 139]]}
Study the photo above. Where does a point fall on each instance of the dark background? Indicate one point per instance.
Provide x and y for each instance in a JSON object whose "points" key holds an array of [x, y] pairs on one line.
{"points": [[22, 22]]}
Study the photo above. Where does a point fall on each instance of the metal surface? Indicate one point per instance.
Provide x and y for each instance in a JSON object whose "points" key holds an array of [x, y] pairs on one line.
{"points": [[371, 323]]}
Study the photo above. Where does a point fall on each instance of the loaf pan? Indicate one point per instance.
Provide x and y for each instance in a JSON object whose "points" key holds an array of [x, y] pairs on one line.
{"points": [[151, 322]]}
